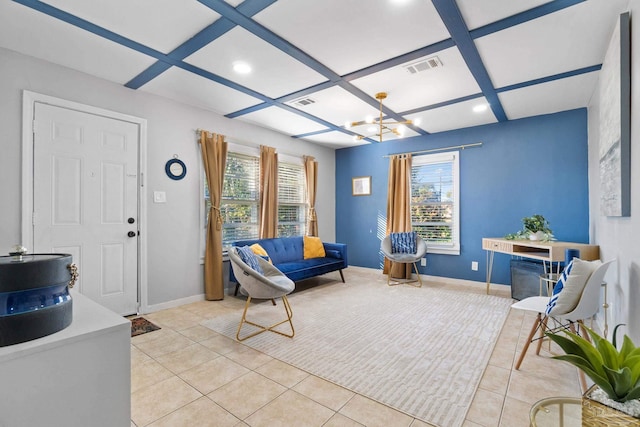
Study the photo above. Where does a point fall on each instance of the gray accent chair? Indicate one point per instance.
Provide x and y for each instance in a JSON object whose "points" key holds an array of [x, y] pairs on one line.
{"points": [[270, 285], [421, 250]]}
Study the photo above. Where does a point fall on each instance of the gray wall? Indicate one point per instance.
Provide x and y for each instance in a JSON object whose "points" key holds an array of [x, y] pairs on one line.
{"points": [[174, 269], [619, 237]]}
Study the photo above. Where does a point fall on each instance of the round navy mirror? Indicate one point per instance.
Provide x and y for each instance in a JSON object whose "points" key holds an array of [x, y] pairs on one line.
{"points": [[175, 169]]}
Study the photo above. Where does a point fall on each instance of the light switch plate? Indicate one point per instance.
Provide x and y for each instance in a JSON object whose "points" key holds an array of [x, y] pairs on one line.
{"points": [[159, 197]]}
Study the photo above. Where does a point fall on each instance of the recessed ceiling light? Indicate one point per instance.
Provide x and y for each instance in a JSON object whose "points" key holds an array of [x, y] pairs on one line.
{"points": [[241, 67], [480, 108]]}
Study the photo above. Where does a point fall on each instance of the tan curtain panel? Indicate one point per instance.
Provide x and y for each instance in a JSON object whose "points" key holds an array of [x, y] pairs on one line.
{"points": [[311, 177], [268, 218], [214, 157], [399, 207]]}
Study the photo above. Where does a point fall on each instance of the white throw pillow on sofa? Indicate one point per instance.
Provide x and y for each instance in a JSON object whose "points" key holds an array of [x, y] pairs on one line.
{"points": [[567, 292]]}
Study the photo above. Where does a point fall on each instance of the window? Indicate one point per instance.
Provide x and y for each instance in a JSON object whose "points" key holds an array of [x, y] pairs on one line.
{"points": [[240, 192], [241, 196], [435, 207], [291, 197], [239, 204]]}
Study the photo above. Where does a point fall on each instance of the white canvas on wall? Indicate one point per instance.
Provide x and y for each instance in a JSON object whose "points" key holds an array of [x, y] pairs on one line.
{"points": [[614, 123]]}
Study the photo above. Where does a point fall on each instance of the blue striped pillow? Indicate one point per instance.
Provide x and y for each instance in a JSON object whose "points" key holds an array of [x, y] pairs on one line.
{"points": [[568, 291], [246, 254], [404, 243], [553, 301]]}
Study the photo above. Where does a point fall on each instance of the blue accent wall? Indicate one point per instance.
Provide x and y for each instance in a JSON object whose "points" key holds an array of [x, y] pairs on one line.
{"points": [[536, 165]]}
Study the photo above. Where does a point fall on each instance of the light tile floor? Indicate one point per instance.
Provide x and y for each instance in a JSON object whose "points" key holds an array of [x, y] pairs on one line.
{"points": [[188, 375]]}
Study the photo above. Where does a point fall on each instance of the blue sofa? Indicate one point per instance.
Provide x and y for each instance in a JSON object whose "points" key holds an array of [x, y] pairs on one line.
{"points": [[287, 255]]}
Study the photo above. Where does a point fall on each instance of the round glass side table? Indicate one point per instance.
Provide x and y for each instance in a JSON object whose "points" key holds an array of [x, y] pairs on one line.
{"points": [[556, 412]]}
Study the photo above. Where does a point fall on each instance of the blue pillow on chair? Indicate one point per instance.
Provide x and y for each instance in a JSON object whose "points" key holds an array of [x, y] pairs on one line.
{"points": [[559, 286], [568, 290], [404, 243], [246, 254]]}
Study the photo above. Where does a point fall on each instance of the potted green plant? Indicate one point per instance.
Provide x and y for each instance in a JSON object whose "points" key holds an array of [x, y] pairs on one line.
{"points": [[534, 227], [537, 226], [616, 373]]}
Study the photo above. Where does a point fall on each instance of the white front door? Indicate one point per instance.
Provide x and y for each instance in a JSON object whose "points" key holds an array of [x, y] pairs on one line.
{"points": [[85, 200]]}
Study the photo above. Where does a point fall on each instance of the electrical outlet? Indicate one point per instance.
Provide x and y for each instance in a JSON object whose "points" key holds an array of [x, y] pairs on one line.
{"points": [[423, 262], [474, 265]]}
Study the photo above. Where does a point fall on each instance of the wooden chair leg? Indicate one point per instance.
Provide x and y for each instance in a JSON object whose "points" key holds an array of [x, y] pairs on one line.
{"points": [[543, 328], [572, 328], [342, 276], [529, 338], [583, 330]]}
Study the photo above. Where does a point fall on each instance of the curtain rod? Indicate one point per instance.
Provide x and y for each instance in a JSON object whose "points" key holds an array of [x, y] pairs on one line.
{"points": [[453, 147], [252, 145]]}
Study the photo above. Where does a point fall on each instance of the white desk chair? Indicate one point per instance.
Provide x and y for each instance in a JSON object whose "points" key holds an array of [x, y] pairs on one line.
{"points": [[588, 306]]}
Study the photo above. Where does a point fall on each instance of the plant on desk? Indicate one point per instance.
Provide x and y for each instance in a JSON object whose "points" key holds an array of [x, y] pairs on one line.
{"points": [[534, 227]]}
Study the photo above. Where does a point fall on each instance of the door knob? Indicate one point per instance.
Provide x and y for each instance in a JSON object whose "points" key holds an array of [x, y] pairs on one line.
{"points": [[131, 234], [131, 220]]}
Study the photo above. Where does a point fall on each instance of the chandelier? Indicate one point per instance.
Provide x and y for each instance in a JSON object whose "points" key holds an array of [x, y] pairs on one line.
{"points": [[379, 127]]}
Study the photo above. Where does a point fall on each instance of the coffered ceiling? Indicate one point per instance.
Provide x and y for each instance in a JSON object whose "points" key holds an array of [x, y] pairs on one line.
{"points": [[317, 64]]}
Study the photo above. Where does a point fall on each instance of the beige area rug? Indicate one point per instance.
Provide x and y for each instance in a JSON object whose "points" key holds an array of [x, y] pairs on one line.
{"points": [[420, 350]]}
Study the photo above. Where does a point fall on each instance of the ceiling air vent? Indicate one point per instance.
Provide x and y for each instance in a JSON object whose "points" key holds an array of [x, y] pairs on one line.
{"points": [[424, 65], [303, 102]]}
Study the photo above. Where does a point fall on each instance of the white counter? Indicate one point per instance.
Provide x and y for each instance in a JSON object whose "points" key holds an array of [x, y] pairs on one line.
{"points": [[79, 376]]}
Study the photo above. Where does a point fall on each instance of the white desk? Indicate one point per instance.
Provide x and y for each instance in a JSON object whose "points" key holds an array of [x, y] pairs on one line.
{"points": [[79, 376], [545, 251]]}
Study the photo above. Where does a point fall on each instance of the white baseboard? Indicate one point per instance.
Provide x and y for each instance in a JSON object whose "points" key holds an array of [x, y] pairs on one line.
{"points": [[171, 304]]}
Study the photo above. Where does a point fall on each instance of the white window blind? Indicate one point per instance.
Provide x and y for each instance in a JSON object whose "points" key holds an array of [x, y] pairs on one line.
{"points": [[435, 203], [291, 199], [240, 193]]}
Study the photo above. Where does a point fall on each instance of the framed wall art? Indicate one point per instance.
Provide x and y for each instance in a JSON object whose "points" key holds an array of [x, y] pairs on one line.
{"points": [[361, 186]]}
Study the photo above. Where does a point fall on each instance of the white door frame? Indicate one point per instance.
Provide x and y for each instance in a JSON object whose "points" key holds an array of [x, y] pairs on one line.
{"points": [[29, 100]]}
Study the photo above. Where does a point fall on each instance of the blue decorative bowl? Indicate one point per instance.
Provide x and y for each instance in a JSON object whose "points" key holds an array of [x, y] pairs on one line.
{"points": [[34, 296]]}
